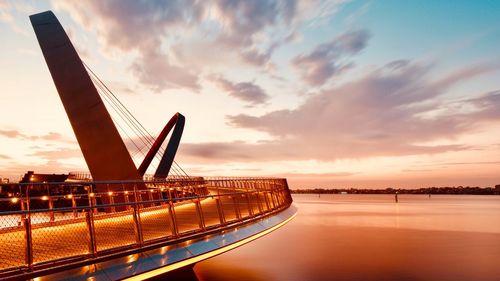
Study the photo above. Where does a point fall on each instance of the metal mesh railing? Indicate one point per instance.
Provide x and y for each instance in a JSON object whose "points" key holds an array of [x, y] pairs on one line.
{"points": [[47, 224]]}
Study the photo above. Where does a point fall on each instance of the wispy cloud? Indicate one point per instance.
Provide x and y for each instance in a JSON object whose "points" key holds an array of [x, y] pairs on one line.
{"points": [[248, 92], [61, 153], [8, 10], [50, 136], [331, 58], [5, 157], [154, 70]]}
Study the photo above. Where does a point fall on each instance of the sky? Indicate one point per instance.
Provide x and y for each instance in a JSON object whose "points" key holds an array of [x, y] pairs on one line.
{"points": [[329, 94]]}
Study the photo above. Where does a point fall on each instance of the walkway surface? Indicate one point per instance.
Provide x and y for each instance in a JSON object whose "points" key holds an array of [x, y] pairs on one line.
{"points": [[67, 238]]}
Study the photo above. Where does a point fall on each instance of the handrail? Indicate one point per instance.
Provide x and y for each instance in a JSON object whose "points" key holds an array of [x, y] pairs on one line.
{"points": [[100, 225]]}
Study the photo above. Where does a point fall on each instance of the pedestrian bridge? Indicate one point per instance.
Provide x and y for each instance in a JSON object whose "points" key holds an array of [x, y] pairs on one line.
{"points": [[68, 230]]}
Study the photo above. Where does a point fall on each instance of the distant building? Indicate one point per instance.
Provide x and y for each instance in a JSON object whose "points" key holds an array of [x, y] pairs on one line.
{"points": [[30, 176]]}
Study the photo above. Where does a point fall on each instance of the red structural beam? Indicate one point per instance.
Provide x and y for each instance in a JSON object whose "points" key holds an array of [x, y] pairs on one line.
{"points": [[168, 157]]}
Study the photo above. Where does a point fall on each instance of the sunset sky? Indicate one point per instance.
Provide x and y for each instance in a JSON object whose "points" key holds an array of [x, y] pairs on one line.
{"points": [[326, 93]]}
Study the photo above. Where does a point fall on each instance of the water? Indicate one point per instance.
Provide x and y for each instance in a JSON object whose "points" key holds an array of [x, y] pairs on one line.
{"points": [[370, 237]]}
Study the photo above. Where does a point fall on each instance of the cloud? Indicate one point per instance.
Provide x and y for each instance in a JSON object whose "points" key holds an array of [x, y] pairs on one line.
{"points": [[130, 24], [154, 70], [14, 171], [157, 33], [331, 58], [5, 157], [5, 15], [10, 9], [141, 26], [50, 136], [246, 91], [12, 134], [58, 154], [389, 112], [242, 19]]}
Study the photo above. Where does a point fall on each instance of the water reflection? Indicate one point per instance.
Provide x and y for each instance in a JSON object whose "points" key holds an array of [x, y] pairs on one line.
{"points": [[360, 237]]}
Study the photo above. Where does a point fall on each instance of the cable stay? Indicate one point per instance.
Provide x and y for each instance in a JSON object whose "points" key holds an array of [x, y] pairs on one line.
{"points": [[143, 142]]}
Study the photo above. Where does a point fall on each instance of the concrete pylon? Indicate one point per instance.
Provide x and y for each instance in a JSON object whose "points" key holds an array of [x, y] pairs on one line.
{"points": [[104, 150]]}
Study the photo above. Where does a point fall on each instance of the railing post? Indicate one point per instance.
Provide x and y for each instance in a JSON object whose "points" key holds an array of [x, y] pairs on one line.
{"points": [[161, 196], [150, 197], [127, 200], [259, 203], [275, 199], [73, 206], [171, 212], [23, 215], [92, 200], [277, 194], [271, 193], [268, 207], [137, 225], [89, 219], [250, 209], [220, 211], [236, 206], [51, 209], [169, 191], [199, 211], [28, 242]]}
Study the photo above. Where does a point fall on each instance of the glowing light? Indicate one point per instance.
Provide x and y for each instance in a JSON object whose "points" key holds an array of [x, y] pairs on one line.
{"points": [[45, 197], [110, 193], [69, 196], [132, 258], [126, 192], [14, 200], [92, 194]]}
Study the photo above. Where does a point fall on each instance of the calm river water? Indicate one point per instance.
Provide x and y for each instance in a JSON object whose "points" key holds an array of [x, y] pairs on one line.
{"points": [[370, 237]]}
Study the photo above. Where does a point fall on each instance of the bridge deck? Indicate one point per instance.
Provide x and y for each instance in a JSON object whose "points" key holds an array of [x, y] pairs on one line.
{"points": [[67, 241]]}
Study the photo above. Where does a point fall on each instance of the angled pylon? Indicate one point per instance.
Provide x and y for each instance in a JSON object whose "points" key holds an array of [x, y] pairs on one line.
{"points": [[104, 150]]}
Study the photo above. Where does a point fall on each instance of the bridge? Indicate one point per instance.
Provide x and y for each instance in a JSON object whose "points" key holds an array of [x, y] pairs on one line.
{"points": [[179, 223], [117, 223]]}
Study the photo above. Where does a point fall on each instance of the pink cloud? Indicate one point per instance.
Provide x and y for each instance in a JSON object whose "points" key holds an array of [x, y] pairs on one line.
{"points": [[386, 113], [50, 136]]}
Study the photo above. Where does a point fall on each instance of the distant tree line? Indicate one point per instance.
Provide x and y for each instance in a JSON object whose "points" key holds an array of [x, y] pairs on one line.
{"points": [[476, 190]]}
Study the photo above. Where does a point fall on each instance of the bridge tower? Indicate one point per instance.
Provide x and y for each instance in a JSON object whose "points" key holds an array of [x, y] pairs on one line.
{"points": [[103, 149]]}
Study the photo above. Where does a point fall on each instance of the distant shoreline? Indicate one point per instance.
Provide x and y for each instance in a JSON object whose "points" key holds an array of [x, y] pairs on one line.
{"points": [[429, 190]]}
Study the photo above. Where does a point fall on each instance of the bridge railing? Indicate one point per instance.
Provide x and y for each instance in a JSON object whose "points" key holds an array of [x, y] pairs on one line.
{"points": [[43, 225]]}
